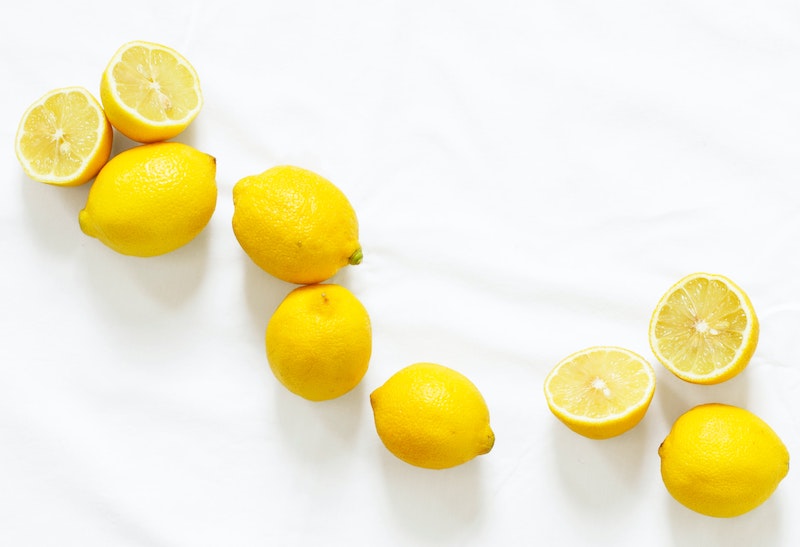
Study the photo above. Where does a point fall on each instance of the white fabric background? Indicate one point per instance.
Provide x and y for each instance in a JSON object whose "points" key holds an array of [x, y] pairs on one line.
{"points": [[529, 177]]}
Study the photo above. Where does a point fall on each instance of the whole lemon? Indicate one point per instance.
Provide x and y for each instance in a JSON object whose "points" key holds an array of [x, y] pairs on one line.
{"points": [[151, 199], [721, 460], [432, 416], [295, 224], [319, 341]]}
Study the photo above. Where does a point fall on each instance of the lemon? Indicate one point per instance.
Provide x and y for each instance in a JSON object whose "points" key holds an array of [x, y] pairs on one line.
{"points": [[432, 416], [704, 329], [150, 91], [600, 392], [721, 460], [151, 199], [319, 341], [295, 224], [64, 138]]}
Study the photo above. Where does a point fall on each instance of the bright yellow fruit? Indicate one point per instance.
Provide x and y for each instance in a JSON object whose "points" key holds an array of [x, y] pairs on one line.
{"points": [[704, 329], [151, 199], [722, 461], [600, 392], [150, 92], [295, 225], [319, 341], [64, 138], [431, 416]]}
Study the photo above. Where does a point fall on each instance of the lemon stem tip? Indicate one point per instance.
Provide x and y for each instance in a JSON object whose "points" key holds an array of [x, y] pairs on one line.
{"points": [[356, 258]]}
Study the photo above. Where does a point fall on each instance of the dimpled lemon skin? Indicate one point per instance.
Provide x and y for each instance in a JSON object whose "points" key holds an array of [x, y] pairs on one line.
{"points": [[722, 461], [431, 416], [151, 199], [295, 224], [319, 341]]}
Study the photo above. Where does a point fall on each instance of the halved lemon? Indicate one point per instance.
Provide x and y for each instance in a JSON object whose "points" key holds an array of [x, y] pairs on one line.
{"points": [[704, 329], [150, 91], [601, 391], [64, 137]]}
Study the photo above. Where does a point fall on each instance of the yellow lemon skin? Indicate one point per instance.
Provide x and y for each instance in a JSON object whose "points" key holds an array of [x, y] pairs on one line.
{"points": [[431, 416], [295, 224], [151, 199], [722, 461], [319, 341]]}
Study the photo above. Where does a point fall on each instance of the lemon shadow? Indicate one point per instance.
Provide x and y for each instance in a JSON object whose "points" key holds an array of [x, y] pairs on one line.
{"points": [[602, 474], [761, 526], [348, 277], [122, 143], [322, 433], [434, 505], [169, 280], [262, 293], [676, 396], [51, 214]]}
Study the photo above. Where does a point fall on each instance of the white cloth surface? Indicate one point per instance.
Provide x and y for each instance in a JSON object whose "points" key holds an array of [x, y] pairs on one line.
{"points": [[529, 178]]}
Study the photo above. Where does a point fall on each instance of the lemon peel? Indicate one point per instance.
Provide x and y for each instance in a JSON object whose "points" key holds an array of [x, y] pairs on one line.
{"points": [[151, 199], [319, 341], [295, 224], [722, 461], [432, 416]]}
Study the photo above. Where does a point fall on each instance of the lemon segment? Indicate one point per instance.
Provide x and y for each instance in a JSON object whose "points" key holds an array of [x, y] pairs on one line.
{"points": [[600, 392], [64, 138], [319, 341], [295, 224], [704, 329], [432, 416], [150, 91], [722, 461], [151, 199]]}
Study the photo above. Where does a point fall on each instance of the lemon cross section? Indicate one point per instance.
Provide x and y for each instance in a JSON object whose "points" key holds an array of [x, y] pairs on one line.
{"points": [[64, 138], [150, 91], [601, 391], [704, 329]]}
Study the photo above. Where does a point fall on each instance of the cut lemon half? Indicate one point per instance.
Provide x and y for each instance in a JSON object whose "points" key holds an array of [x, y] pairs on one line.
{"points": [[600, 392], [64, 137], [150, 92], [704, 329]]}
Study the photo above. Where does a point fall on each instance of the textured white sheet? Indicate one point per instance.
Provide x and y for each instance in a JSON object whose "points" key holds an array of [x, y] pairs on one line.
{"points": [[530, 177]]}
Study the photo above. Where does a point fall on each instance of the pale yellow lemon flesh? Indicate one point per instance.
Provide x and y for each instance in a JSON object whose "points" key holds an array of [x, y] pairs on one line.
{"points": [[64, 138]]}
